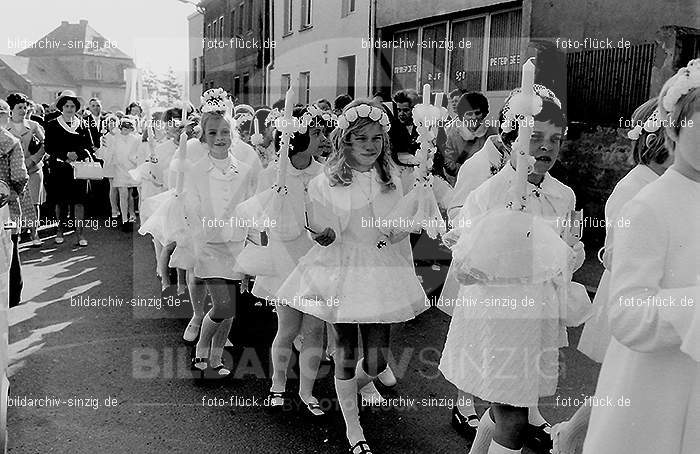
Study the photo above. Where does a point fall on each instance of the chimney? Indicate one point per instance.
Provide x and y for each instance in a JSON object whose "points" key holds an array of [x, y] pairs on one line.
{"points": [[83, 21], [64, 22]]}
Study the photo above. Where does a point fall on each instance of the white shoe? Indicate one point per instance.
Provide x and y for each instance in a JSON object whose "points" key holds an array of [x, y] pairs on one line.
{"points": [[387, 377], [370, 395]]}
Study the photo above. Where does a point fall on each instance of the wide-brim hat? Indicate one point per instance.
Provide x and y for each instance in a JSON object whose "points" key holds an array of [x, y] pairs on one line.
{"points": [[70, 95]]}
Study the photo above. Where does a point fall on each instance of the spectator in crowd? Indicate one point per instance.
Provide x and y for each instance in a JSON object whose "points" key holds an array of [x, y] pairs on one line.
{"points": [[52, 112], [340, 102], [14, 174], [467, 134], [38, 114], [324, 104], [453, 100], [405, 140], [31, 137], [94, 119], [67, 141]]}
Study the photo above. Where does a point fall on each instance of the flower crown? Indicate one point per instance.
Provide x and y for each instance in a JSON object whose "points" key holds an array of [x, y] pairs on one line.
{"points": [[517, 104], [313, 111], [216, 100], [351, 115], [652, 125], [682, 82]]}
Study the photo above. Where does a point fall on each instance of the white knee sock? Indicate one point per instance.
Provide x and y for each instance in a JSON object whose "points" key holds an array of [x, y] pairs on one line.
{"points": [[206, 332], [370, 394], [568, 436], [347, 399], [465, 404], [484, 434], [218, 341], [534, 417], [495, 448]]}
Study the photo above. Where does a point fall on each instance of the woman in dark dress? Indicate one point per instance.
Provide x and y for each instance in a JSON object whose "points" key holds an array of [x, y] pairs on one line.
{"points": [[67, 140]]}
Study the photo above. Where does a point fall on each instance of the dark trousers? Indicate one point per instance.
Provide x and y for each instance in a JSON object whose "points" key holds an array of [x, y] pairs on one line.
{"points": [[16, 283]]}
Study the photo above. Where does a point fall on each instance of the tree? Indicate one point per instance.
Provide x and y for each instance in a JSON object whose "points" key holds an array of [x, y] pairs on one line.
{"points": [[171, 88]]}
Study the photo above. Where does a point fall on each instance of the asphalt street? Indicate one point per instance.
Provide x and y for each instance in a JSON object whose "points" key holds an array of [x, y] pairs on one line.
{"points": [[117, 379]]}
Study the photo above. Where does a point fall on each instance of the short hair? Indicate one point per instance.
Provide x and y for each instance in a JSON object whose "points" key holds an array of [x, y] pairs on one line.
{"points": [[131, 106], [16, 98], [94, 99], [341, 101], [456, 92], [550, 112], [298, 142], [407, 95], [379, 93], [171, 114], [475, 100], [650, 146]]}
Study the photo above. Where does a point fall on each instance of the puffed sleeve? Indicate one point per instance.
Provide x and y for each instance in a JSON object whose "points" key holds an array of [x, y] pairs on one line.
{"points": [[637, 269]]}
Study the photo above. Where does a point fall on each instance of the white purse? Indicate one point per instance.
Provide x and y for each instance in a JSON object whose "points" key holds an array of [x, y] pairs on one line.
{"points": [[87, 170]]}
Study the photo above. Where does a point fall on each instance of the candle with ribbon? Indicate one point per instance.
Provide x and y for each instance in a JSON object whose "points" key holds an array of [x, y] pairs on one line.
{"points": [[285, 125]]}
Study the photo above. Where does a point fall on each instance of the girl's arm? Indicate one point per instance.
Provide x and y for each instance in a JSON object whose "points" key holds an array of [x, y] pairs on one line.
{"points": [[638, 317]]}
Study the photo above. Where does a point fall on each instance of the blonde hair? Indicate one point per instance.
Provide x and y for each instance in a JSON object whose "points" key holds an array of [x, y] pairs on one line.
{"points": [[650, 146], [337, 168], [208, 116]]}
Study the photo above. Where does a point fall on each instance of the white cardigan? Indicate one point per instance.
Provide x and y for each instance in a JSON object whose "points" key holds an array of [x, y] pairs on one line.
{"points": [[652, 366]]}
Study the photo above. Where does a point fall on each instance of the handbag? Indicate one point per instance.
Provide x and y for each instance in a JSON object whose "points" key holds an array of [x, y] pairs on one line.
{"points": [[87, 170]]}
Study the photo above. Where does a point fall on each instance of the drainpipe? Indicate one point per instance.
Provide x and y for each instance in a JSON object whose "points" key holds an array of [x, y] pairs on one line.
{"points": [[370, 51], [270, 66]]}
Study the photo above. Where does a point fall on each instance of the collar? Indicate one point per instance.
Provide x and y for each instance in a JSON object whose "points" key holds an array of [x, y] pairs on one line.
{"points": [[228, 173], [470, 135], [74, 124]]}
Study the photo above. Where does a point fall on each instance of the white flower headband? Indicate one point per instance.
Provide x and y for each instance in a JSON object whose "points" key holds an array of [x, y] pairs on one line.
{"points": [[652, 125], [363, 111], [683, 81], [313, 111], [516, 104], [272, 116], [216, 100]]}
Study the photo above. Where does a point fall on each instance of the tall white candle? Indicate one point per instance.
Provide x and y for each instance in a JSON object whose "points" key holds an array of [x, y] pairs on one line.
{"points": [[426, 94], [438, 99], [286, 133], [255, 124], [528, 76]]}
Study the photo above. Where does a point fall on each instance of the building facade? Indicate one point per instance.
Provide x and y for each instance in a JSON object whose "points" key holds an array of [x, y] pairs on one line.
{"points": [[195, 26], [236, 48], [320, 49], [72, 56]]}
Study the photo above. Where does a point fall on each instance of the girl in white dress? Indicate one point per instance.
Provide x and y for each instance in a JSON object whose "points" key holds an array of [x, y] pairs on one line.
{"points": [[651, 370], [503, 341], [125, 149], [287, 247], [356, 274], [109, 134], [213, 188], [652, 159]]}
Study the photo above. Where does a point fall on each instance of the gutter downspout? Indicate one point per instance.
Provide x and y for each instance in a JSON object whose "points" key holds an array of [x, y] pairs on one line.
{"points": [[370, 51], [270, 66]]}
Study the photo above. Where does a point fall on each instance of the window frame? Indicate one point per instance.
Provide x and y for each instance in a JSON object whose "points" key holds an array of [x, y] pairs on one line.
{"points": [[306, 15], [448, 34], [306, 90], [288, 18], [284, 87]]}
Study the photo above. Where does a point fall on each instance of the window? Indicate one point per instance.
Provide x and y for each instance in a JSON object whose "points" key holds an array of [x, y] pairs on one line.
{"points": [[201, 69], [305, 14], [433, 56], [245, 95], [404, 67], [221, 27], [484, 54], [288, 22], [215, 30], [466, 62], [234, 32], [194, 71], [304, 87], [236, 86], [346, 76], [286, 83], [241, 18], [348, 6], [98, 71], [208, 31], [249, 14], [504, 51]]}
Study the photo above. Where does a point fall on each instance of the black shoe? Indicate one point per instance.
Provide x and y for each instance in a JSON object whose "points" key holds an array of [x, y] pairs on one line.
{"points": [[128, 226], [539, 438], [461, 424]]}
